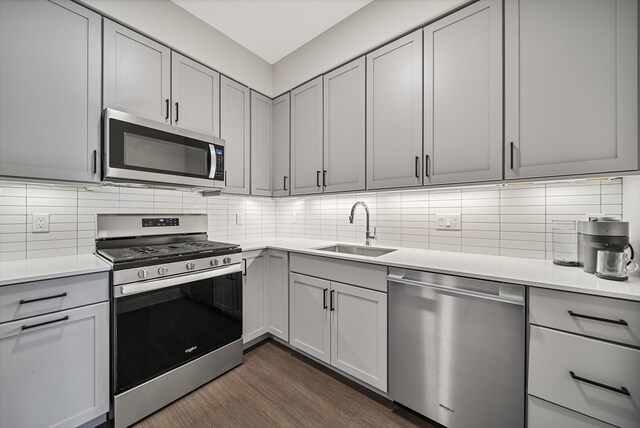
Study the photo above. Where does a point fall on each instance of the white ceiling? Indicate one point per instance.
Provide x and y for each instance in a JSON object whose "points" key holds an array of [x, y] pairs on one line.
{"points": [[271, 29]]}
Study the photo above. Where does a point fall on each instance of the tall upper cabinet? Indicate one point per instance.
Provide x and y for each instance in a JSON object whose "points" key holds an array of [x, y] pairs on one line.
{"points": [[280, 176], [571, 87], [344, 128], [306, 138], [261, 144], [394, 114], [235, 124], [137, 73], [463, 95], [49, 90]]}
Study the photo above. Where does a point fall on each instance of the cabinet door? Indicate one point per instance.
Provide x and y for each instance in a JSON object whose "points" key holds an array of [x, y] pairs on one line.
{"points": [[136, 73], [359, 333], [254, 297], [281, 183], [234, 129], [571, 87], [306, 138], [50, 91], [55, 372], [344, 128], [278, 279], [195, 94], [394, 114], [261, 135], [463, 85], [309, 316]]}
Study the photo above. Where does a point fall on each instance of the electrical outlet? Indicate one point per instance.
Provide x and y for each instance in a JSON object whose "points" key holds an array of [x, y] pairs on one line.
{"points": [[448, 222], [40, 223], [239, 219]]}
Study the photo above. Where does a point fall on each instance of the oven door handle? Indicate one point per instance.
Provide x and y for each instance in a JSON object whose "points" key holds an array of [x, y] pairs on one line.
{"points": [[141, 287]]}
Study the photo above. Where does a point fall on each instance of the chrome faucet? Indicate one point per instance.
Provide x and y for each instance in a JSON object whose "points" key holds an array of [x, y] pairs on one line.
{"points": [[368, 234]]}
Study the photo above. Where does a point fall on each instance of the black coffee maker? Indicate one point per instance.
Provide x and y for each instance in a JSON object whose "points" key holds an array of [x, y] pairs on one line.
{"points": [[603, 233]]}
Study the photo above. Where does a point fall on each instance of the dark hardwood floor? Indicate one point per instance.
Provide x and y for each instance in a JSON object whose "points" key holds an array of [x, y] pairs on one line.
{"points": [[275, 387]]}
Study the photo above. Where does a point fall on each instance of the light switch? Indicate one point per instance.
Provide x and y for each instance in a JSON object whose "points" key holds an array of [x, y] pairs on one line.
{"points": [[40, 223], [239, 218]]}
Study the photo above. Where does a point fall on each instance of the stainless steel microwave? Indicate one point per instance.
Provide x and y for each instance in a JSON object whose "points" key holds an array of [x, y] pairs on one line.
{"points": [[141, 151]]}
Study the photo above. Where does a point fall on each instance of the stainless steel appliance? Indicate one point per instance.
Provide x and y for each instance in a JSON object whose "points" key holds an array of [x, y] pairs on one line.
{"points": [[457, 349], [139, 150], [176, 308], [602, 233]]}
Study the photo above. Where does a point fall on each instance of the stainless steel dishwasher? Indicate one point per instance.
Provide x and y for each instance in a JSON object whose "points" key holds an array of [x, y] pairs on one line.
{"points": [[457, 349]]}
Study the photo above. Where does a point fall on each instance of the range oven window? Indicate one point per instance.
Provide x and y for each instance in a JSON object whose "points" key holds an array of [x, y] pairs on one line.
{"points": [[157, 331]]}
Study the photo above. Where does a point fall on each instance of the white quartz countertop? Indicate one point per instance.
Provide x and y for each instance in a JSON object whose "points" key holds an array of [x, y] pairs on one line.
{"points": [[18, 271], [536, 273]]}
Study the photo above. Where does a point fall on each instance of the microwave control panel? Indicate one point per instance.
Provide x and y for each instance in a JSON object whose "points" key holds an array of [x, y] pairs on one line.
{"points": [[219, 175]]}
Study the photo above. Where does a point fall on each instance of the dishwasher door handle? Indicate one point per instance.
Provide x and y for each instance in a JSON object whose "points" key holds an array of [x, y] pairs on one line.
{"points": [[458, 291]]}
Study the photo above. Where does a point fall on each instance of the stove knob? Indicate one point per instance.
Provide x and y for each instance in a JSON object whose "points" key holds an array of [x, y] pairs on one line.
{"points": [[163, 270], [226, 260], [214, 262], [191, 266], [143, 273]]}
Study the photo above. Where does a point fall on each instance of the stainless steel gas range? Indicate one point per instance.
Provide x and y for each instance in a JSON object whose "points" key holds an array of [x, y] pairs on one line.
{"points": [[176, 308]]}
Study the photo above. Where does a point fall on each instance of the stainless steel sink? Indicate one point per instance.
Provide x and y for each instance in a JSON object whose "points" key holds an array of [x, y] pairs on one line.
{"points": [[357, 250]]}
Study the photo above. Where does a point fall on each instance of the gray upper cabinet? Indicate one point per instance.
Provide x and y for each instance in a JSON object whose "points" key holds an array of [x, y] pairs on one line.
{"points": [[261, 146], [136, 73], [571, 87], [235, 124], [463, 95], [306, 138], [195, 95], [344, 127], [50, 102], [394, 114], [280, 146]]}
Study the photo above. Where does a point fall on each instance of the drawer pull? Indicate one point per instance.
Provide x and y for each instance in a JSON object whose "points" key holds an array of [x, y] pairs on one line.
{"points": [[622, 390], [589, 317], [39, 299], [27, 327]]}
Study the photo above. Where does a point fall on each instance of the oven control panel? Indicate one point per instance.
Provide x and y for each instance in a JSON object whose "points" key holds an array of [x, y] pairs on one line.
{"points": [[160, 222]]}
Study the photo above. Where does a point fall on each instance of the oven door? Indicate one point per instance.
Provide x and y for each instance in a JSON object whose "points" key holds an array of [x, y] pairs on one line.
{"points": [[160, 325], [141, 150]]}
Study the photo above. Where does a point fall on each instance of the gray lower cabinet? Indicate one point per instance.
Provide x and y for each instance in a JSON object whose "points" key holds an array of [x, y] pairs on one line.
{"points": [[261, 144], [136, 73], [394, 114], [55, 367], [195, 96], [571, 87], [235, 122], [306, 138], [310, 329], [278, 301], [344, 128], [463, 95], [280, 176], [50, 102], [543, 414], [254, 297]]}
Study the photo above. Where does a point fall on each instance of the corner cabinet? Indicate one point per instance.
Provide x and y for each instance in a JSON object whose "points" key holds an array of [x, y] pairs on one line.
{"points": [[136, 74], [50, 102], [261, 144], [278, 301], [463, 95], [306, 138], [280, 176], [394, 114], [344, 128], [571, 98], [235, 124]]}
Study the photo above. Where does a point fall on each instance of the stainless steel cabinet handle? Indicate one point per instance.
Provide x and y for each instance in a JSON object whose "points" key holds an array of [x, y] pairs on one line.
{"points": [[27, 327], [417, 166], [39, 299], [591, 317], [622, 390], [177, 112]]}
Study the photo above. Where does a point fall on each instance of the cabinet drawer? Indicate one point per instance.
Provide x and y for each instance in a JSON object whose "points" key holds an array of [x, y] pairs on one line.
{"points": [[364, 275], [615, 320], [555, 354], [42, 297], [543, 414]]}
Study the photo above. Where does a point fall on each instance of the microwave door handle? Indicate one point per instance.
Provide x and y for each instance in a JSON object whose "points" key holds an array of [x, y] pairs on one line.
{"points": [[212, 169]]}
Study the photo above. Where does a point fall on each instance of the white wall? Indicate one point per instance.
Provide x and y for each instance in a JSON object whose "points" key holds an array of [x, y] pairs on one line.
{"points": [[177, 28], [379, 21]]}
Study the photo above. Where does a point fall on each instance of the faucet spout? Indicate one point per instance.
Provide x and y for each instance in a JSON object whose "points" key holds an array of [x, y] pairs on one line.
{"points": [[368, 233]]}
